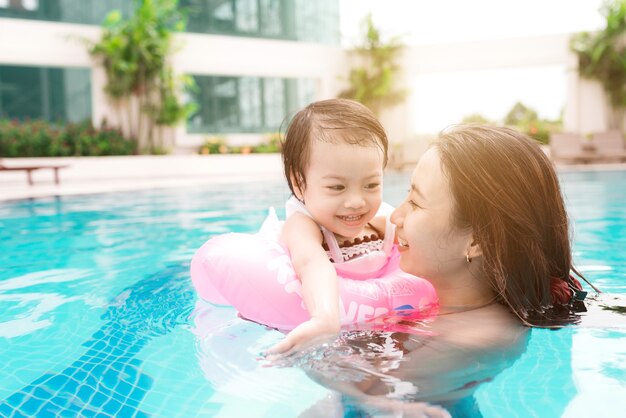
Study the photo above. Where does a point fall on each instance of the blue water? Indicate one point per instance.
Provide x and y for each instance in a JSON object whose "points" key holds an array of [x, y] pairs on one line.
{"points": [[98, 316]]}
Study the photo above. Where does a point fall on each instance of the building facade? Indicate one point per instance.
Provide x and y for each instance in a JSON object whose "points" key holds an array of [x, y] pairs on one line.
{"points": [[254, 62]]}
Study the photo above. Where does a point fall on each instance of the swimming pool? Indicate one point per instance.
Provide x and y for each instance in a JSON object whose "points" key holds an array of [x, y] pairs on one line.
{"points": [[98, 316]]}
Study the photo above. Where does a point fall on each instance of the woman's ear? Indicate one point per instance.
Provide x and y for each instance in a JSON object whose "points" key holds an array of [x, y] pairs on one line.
{"points": [[474, 249]]}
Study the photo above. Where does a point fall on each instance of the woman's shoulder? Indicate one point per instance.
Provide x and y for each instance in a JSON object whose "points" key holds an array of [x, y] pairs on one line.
{"points": [[490, 327]]}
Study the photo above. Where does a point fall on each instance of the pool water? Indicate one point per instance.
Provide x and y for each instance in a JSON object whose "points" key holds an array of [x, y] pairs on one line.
{"points": [[98, 316]]}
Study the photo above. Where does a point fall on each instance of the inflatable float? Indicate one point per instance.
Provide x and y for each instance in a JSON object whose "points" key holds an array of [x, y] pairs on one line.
{"points": [[254, 273]]}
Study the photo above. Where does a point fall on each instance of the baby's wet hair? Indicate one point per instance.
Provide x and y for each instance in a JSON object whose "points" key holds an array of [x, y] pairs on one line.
{"points": [[332, 120]]}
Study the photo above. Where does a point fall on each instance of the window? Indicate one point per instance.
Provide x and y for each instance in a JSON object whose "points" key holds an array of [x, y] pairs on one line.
{"points": [[247, 104], [312, 21], [52, 94], [73, 11], [298, 20]]}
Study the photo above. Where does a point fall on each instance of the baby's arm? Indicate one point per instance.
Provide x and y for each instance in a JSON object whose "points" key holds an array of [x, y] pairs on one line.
{"points": [[380, 223], [320, 287]]}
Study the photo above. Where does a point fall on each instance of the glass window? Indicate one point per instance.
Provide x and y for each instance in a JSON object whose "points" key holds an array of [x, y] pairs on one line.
{"points": [[317, 21], [305, 90], [274, 101], [30, 4], [250, 105], [247, 104], [222, 16], [306, 20], [197, 15], [75, 11], [271, 19], [247, 19], [53, 94], [225, 101], [77, 93]]}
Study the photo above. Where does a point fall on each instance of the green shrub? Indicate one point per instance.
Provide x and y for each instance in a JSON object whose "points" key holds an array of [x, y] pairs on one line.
{"points": [[213, 145], [39, 138], [217, 145], [526, 120], [270, 144]]}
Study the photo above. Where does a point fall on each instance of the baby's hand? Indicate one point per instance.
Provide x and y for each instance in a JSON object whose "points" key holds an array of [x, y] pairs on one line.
{"points": [[314, 328]]}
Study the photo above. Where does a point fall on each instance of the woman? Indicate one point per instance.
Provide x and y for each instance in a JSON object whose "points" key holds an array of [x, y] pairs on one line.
{"points": [[485, 223]]}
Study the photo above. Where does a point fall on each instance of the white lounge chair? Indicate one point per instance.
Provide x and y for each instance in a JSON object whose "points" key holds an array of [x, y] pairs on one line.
{"points": [[569, 147], [609, 145]]}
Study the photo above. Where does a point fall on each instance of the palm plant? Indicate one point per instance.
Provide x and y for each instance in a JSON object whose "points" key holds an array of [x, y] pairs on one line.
{"points": [[373, 83], [140, 82], [602, 56]]}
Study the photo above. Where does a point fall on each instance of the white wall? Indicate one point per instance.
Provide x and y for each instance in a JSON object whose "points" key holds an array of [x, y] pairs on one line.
{"points": [[436, 73], [37, 43]]}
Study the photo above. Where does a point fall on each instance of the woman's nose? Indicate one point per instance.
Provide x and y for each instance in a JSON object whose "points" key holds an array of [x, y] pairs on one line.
{"points": [[397, 216]]}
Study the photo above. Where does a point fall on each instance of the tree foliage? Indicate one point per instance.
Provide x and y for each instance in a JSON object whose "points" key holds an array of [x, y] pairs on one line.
{"points": [[520, 114], [523, 119], [373, 82], [140, 82], [602, 56], [526, 120]]}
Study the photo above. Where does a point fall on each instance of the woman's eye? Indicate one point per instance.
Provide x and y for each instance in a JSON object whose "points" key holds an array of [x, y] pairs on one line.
{"points": [[413, 204]]}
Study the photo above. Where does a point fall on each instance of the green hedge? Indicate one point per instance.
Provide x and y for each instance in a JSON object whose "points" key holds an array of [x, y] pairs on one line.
{"points": [[218, 145], [42, 139]]}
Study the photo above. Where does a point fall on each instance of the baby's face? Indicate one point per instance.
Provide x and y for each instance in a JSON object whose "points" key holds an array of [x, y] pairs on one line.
{"points": [[343, 186]]}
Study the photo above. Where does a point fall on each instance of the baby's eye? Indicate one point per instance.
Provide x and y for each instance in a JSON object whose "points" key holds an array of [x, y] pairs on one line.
{"points": [[337, 187], [372, 186]]}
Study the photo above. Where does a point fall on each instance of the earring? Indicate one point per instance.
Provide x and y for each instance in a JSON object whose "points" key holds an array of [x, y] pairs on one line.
{"points": [[468, 258]]}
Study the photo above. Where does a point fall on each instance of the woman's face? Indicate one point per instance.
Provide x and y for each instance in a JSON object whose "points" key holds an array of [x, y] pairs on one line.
{"points": [[430, 245]]}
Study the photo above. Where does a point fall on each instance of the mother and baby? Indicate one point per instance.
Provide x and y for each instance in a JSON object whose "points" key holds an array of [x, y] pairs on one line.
{"points": [[484, 222]]}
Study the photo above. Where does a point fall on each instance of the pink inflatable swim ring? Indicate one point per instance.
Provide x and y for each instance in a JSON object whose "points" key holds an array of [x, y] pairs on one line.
{"points": [[254, 274]]}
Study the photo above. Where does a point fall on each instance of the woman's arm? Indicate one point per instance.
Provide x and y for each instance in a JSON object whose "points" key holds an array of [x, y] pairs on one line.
{"points": [[332, 406], [464, 350], [449, 361], [320, 287]]}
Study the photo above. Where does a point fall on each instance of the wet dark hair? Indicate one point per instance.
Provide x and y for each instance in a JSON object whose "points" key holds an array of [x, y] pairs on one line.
{"points": [[330, 120], [507, 191]]}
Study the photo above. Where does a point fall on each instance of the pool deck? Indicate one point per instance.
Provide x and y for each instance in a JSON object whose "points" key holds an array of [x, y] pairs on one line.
{"points": [[85, 175]]}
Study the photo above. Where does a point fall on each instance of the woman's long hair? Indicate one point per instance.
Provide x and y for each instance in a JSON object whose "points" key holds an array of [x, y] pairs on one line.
{"points": [[507, 191]]}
